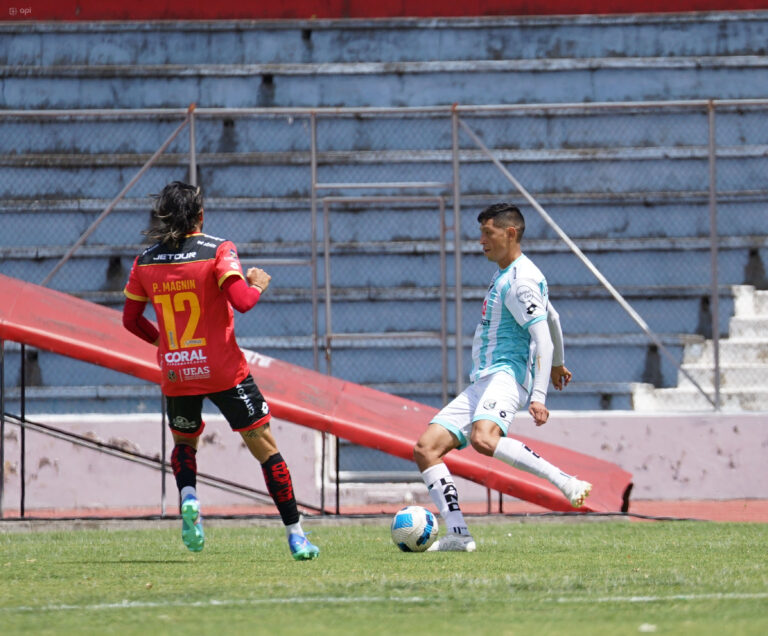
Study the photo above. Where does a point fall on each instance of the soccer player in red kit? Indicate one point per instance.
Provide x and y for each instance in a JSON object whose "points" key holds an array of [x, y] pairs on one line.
{"points": [[193, 280]]}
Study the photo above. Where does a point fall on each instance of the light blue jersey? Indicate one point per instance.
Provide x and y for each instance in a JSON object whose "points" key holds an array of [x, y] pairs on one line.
{"points": [[516, 299]]}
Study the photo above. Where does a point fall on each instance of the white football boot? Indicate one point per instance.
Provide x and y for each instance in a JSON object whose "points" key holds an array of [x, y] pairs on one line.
{"points": [[576, 491], [452, 542]]}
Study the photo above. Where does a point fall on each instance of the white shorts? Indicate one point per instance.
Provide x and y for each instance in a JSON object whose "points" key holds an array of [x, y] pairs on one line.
{"points": [[495, 397]]}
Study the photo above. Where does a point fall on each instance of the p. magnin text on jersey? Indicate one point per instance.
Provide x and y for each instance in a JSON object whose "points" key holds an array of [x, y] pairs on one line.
{"points": [[174, 285]]}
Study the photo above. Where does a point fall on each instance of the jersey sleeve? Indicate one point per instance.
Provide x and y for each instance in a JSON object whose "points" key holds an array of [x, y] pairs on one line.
{"points": [[134, 289], [239, 294], [227, 263], [556, 333], [525, 302], [136, 323]]}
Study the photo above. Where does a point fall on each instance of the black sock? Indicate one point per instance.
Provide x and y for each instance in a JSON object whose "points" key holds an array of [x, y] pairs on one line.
{"points": [[280, 487], [184, 464]]}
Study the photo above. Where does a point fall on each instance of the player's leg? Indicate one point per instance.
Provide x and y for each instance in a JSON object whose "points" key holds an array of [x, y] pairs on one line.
{"points": [[444, 434], [185, 420], [518, 455], [247, 412], [495, 412], [263, 447]]}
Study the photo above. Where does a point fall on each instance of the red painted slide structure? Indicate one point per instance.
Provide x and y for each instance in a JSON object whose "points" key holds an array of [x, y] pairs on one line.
{"points": [[66, 325]]}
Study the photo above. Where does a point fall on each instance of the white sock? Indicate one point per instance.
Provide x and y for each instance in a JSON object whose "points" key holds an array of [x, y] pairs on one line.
{"points": [[188, 490], [518, 455], [444, 494], [294, 528]]}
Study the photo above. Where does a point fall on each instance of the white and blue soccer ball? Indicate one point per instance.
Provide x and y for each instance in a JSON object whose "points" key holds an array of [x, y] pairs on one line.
{"points": [[414, 529]]}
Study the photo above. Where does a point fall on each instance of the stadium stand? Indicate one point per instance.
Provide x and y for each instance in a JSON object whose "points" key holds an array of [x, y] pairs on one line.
{"points": [[58, 176], [397, 62]]}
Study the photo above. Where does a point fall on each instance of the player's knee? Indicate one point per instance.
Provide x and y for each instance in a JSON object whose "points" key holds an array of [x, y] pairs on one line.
{"points": [[425, 454], [483, 443], [419, 452]]}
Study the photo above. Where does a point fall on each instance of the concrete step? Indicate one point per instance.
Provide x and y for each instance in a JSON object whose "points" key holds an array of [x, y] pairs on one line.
{"points": [[761, 302], [390, 40], [418, 268], [744, 376], [646, 398], [592, 169], [427, 83], [752, 328], [625, 216], [628, 132], [732, 352]]}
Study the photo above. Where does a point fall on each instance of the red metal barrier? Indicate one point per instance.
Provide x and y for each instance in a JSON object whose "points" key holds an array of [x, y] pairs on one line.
{"points": [[66, 325]]}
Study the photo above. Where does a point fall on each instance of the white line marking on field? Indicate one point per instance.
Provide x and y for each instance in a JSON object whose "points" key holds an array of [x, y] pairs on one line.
{"points": [[213, 603], [365, 599], [674, 597]]}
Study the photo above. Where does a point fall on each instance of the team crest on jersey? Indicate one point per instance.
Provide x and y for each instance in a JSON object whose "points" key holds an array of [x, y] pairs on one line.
{"points": [[172, 376], [524, 294]]}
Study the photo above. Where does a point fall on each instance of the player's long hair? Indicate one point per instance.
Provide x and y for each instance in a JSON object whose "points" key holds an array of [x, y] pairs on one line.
{"points": [[175, 213]]}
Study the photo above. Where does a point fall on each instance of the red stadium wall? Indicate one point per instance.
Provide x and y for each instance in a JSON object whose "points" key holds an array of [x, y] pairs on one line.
{"points": [[321, 9]]}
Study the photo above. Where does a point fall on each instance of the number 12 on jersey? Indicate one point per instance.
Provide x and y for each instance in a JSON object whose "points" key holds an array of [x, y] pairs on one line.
{"points": [[173, 304]]}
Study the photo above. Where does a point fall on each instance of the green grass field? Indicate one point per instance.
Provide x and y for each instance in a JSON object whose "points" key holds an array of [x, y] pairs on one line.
{"points": [[574, 577]]}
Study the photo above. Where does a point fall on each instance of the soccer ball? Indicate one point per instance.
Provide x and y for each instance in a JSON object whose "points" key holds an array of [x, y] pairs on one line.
{"points": [[414, 529]]}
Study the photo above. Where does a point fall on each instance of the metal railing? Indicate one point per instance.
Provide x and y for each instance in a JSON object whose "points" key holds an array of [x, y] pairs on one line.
{"points": [[458, 153]]}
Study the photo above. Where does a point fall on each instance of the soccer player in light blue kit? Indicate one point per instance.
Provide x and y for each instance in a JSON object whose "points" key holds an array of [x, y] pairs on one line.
{"points": [[517, 348]]}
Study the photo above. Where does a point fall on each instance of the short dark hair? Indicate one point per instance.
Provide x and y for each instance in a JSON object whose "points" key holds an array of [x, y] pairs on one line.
{"points": [[175, 213], [504, 215]]}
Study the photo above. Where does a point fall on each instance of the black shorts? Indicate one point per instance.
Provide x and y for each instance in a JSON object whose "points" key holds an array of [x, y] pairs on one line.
{"points": [[243, 406]]}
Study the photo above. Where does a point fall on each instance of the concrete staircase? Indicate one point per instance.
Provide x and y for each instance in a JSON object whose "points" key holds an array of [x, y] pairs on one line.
{"points": [[743, 365]]}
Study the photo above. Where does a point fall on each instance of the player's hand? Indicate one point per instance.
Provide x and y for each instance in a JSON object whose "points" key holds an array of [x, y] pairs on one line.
{"points": [[539, 413], [257, 277], [561, 376]]}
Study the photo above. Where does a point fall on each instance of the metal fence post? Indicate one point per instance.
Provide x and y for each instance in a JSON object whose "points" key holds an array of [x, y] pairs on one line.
{"points": [[192, 149], [713, 251], [163, 458], [23, 432], [2, 424], [457, 249], [313, 235]]}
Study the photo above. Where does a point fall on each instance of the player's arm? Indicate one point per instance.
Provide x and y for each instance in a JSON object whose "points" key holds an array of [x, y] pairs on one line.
{"points": [[242, 291], [560, 375], [542, 361], [239, 294], [133, 311], [135, 322], [243, 296]]}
